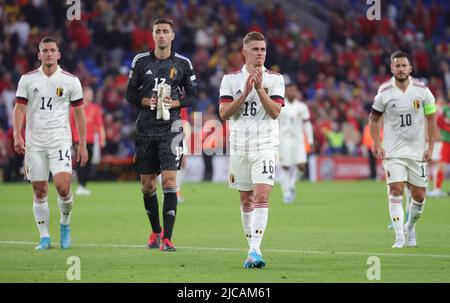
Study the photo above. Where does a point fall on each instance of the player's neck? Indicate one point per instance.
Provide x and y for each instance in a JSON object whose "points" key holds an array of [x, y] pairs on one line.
{"points": [[403, 86], [49, 70], [162, 54], [251, 68]]}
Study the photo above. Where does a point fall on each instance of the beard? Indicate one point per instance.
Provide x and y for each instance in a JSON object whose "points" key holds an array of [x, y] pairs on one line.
{"points": [[401, 80]]}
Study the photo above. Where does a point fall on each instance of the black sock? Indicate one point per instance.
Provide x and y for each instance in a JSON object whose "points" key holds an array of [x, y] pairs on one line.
{"points": [[151, 206], [169, 211]]}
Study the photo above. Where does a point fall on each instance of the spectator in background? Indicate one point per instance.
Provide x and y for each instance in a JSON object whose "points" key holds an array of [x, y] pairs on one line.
{"points": [[112, 32], [208, 145], [367, 151], [14, 161], [95, 137], [335, 139]]}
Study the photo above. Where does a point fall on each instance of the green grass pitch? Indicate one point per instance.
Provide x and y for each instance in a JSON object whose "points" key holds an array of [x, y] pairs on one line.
{"points": [[326, 236]]}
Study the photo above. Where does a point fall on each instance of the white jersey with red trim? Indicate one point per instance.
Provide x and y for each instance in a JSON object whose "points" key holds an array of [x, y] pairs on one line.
{"points": [[404, 118], [47, 100], [292, 122], [251, 128]]}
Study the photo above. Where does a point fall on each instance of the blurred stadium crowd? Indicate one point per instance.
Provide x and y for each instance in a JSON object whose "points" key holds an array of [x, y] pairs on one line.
{"points": [[337, 71]]}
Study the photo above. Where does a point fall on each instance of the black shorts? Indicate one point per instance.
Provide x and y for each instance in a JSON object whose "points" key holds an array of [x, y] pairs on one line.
{"points": [[156, 154]]}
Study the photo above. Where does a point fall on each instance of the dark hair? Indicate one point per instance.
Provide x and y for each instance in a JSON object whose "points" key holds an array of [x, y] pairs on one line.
{"points": [[253, 36], [400, 54], [163, 21], [48, 39]]}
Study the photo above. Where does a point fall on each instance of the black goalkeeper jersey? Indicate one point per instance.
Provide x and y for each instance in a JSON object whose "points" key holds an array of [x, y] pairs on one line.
{"points": [[146, 72]]}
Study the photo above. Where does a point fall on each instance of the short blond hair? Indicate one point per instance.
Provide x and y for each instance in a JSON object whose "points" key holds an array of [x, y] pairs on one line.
{"points": [[253, 36]]}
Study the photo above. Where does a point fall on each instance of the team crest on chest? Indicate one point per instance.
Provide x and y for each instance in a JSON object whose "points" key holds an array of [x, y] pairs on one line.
{"points": [[172, 73], [416, 104], [59, 91]]}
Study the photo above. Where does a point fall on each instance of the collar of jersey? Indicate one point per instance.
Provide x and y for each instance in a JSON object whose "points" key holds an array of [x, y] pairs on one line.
{"points": [[395, 85], [58, 69], [172, 54], [244, 70]]}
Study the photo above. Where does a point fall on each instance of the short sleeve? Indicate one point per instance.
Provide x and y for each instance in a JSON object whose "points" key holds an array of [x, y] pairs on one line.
{"points": [[22, 91], [276, 91], [378, 104], [225, 93], [428, 97], [77, 91], [306, 114]]}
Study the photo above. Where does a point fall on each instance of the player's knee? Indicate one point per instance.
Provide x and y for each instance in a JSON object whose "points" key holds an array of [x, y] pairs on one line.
{"points": [[169, 182], [301, 167], [246, 204], [418, 196], [246, 199], [395, 191], [261, 198], [40, 193], [63, 190], [148, 186]]}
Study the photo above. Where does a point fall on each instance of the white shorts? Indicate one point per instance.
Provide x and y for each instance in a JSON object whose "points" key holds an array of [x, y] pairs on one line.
{"points": [[249, 169], [38, 164], [436, 156], [291, 153], [406, 170]]}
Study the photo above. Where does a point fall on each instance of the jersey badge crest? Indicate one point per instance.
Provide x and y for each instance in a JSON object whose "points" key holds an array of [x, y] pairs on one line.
{"points": [[59, 92], [416, 104], [172, 73]]}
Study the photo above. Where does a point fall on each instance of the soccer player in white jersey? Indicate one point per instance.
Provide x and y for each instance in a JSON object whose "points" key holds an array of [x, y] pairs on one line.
{"points": [[294, 124], [405, 104], [251, 99], [44, 96]]}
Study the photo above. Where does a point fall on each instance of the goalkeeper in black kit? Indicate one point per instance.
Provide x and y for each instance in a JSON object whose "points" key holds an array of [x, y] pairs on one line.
{"points": [[160, 83]]}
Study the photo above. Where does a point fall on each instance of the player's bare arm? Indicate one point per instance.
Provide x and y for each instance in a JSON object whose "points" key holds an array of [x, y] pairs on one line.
{"points": [[80, 119], [272, 108], [432, 133], [19, 115], [375, 127], [227, 110]]}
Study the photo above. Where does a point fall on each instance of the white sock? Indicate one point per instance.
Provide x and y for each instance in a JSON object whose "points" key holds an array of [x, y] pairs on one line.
{"points": [[293, 177], [65, 208], [408, 201], [415, 211], [396, 212], [284, 180], [246, 219], [260, 218], [41, 215]]}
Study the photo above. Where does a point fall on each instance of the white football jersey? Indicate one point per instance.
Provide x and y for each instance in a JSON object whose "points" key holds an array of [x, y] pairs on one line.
{"points": [[404, 118], [292, 122], [47, 113], [251, 128]]}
